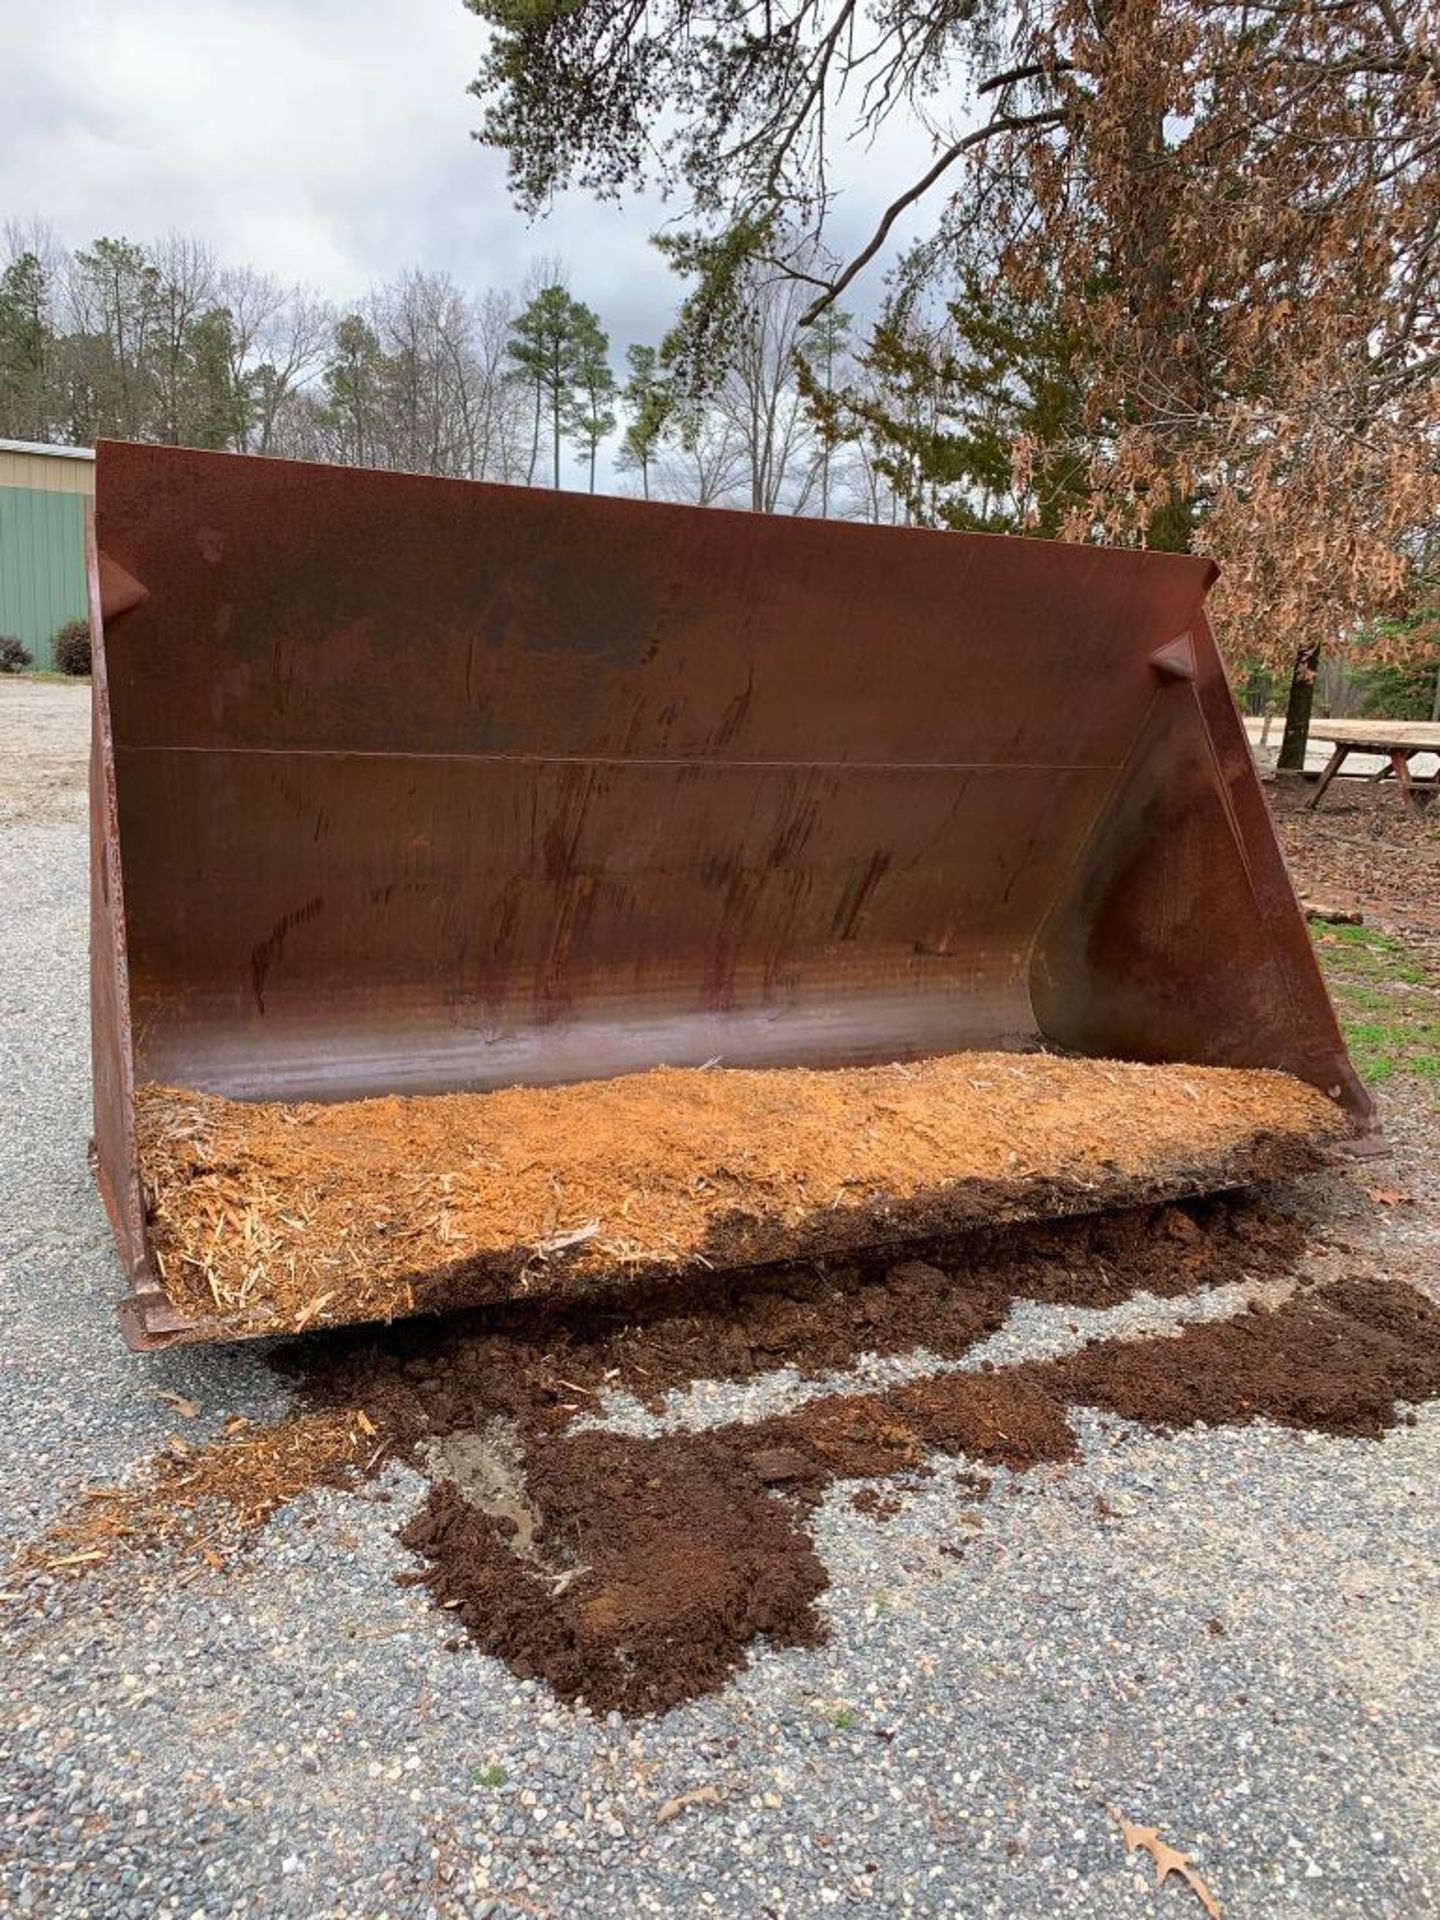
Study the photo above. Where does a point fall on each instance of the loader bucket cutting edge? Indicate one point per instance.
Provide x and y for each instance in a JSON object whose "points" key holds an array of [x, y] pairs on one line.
{"points": [[413, 786]]}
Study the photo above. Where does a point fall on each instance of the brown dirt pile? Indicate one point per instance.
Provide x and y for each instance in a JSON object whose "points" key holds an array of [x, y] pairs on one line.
{"points": [[637, 1573], [1333, 1361], [684, 1550], [274, 1216], [680, 1552], [678, 1558], [546, 1361], [677, 1554], [537, 1366]]}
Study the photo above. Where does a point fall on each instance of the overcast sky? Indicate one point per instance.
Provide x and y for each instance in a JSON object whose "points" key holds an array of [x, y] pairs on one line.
{"points": [[326, 141]]}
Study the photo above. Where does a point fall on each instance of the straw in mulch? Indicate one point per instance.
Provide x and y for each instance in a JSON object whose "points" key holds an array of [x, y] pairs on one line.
{"points": [[265, 1217], [203, 1499]]}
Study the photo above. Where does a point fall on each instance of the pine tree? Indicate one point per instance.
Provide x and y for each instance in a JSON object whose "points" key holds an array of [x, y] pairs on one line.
{"points": [[825, 343], [354, 393], [26, 350], [117, 291], [549, 343], [944, 399], [650, 402], [592, 404], [215, 406]]}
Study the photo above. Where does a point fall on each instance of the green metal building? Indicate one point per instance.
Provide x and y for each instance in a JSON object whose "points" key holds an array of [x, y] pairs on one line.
{"points": [[43, 491]]}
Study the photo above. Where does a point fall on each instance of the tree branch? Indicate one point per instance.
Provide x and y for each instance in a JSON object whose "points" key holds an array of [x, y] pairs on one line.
{"points": [[1001, 123], [1035, 70]]}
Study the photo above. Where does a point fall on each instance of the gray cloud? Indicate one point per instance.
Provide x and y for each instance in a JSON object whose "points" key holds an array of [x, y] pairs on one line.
{"points": [[326, 141]]}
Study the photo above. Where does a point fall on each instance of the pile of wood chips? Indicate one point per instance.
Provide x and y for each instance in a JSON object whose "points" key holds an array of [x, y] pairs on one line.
{"points": [[269, 1217], [200, 1499]]}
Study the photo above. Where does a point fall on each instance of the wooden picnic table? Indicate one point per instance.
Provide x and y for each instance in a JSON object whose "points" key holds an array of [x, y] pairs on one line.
{"points": [[1398, 740]]}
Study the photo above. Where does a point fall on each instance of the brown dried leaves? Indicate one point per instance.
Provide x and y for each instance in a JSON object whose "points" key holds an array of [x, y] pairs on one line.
{"points": [[1167, 1861]]}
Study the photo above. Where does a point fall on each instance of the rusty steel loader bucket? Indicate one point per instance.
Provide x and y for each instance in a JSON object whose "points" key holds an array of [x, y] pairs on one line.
{"points": [[413, 786]]}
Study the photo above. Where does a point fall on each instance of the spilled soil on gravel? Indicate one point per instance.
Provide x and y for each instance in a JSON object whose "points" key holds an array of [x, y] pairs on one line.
{"points": [[551, 1359], [636, 1572], [674, 1554]]}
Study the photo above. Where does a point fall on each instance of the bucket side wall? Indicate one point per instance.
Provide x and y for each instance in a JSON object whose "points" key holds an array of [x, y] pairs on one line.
{"points": [[1179, 936]]}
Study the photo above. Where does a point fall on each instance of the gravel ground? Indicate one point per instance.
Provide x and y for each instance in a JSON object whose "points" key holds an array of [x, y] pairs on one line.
{"points": [[1032, 1331], [1231, 1635]]}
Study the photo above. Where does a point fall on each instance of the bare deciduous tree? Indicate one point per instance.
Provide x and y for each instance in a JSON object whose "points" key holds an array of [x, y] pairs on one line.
{"points": [[278, 340], [761, 398]]}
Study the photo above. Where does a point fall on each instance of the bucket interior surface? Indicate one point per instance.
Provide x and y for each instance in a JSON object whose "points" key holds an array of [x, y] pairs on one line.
{"points": [[425, 786]]}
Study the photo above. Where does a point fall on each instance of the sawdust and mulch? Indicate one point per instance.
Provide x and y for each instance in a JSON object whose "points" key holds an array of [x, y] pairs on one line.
{"points": [[271, 1217], [201, 1500]]}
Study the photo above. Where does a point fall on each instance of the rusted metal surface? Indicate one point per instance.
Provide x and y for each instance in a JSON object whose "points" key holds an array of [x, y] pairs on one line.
{"points": [[1180, 937], [147, 1315], [422, 785]]}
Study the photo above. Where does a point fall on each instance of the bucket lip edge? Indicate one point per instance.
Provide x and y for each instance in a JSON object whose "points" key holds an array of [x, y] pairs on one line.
{"points": [[601, 506]]}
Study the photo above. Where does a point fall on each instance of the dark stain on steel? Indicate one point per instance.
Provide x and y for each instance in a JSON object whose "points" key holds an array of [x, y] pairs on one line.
{"points": [[561, 841], [281, 672], [799, 817], [272, 947], [733, 718], [858, 889]]}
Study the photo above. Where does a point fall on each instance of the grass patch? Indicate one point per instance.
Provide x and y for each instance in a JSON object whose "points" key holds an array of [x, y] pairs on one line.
{"points": [[1365, 953], [1388, 1003]]}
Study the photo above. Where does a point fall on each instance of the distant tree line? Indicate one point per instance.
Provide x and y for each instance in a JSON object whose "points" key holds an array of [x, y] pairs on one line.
{"points": [[163, 342], [967, 401]]}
